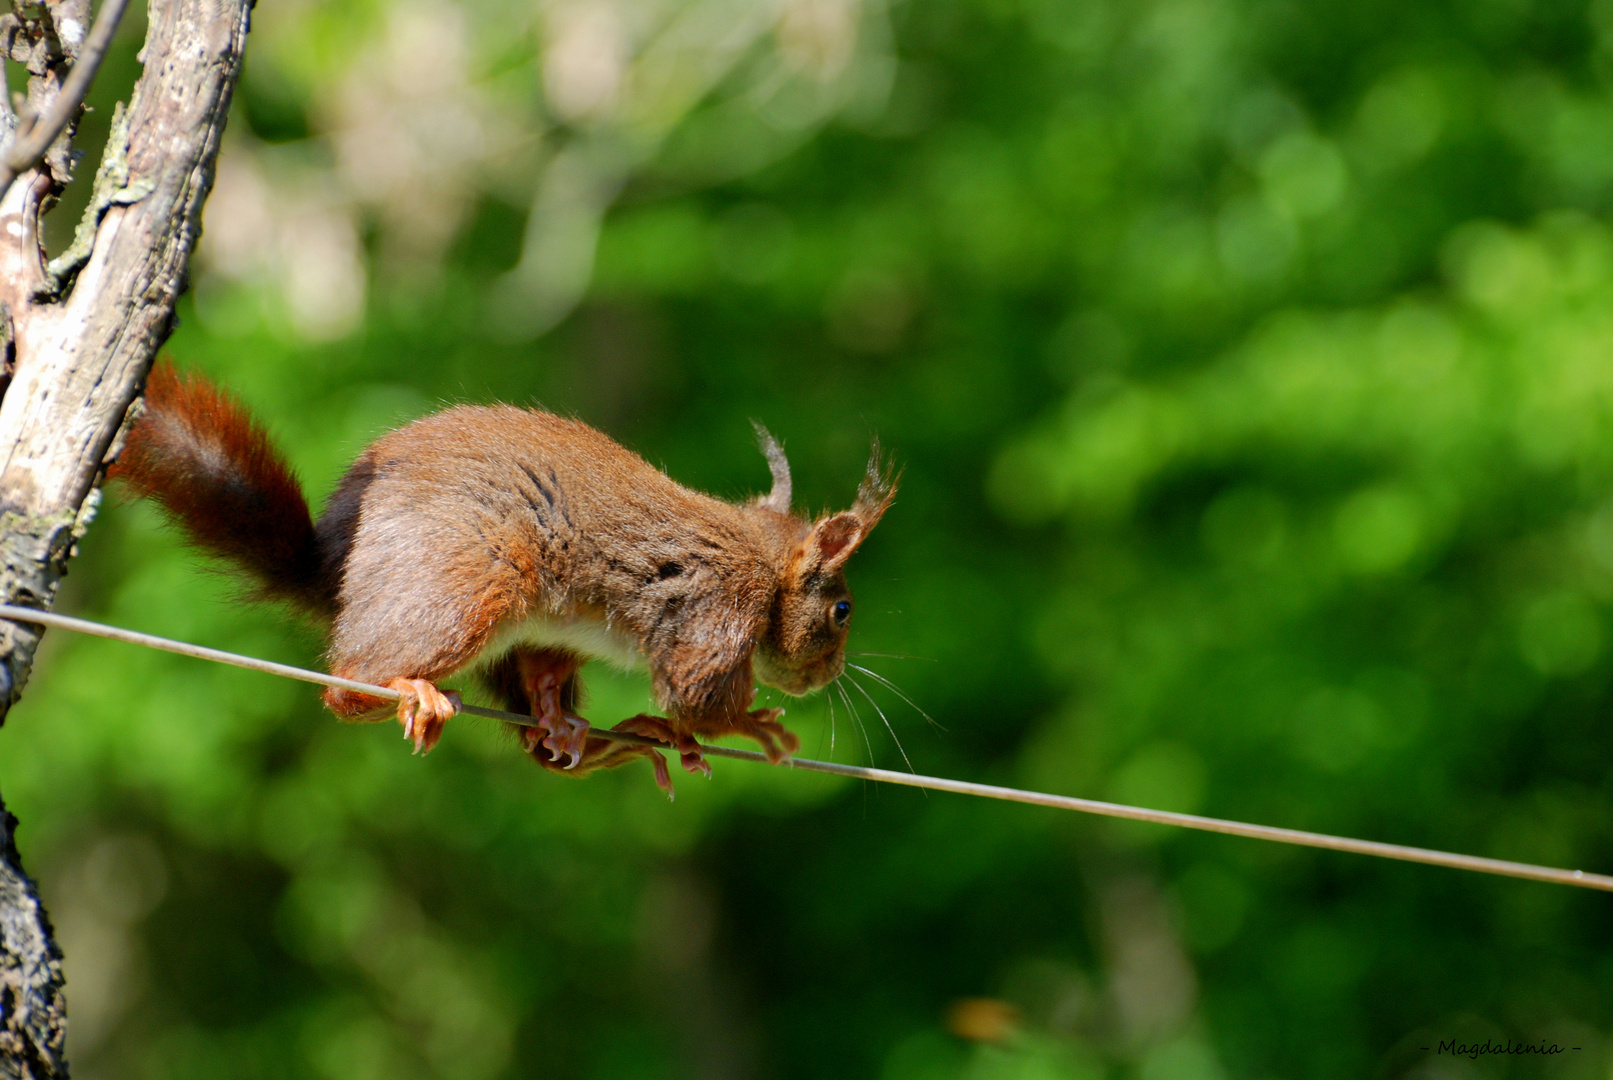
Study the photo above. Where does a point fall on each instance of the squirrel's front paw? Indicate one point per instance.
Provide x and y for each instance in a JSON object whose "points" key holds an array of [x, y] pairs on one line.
{"points": [[423, 710], [763, 725], [777, 741]]}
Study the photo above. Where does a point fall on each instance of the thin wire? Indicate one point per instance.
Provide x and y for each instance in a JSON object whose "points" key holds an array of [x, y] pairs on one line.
{"points": [[1478, 864], [252, 663]]}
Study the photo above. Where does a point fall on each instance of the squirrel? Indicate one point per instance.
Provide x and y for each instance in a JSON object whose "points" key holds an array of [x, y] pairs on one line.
{"points": [[514, 544]]}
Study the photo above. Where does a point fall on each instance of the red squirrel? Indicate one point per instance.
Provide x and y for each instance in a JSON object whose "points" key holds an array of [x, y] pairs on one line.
{"points": [[515, 544]]}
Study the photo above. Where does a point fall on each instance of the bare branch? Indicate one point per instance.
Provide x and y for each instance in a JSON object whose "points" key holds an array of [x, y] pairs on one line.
{"points": [[31, 1036], [73, 359]]}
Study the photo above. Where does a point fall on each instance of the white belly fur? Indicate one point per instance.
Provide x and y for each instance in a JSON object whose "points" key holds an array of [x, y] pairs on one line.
{"points": [[592, 638]]}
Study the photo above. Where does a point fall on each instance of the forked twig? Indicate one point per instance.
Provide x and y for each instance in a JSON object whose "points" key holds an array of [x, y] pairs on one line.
{"points": [[34, 136]]}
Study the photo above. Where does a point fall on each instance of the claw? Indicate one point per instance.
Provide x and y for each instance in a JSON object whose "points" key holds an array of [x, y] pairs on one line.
{"points": [[564, 738], [694, 761], [572, 742], [663, 779]]}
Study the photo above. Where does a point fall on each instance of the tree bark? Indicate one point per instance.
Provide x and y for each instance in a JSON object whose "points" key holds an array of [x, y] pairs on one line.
{"points": [[80, 335]]}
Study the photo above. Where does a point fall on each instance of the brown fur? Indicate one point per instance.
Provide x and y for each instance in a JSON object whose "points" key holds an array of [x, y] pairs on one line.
{"points": [[466, 522]]}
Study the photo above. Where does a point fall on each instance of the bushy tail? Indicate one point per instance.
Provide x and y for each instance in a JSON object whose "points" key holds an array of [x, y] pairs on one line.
{"points": [[212, 468]]}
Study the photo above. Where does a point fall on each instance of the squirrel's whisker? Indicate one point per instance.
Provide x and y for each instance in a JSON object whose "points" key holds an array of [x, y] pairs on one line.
{"points": [[829, 698], [861, 690], [893, 688], [829, 706], [856, 717], [895, 656]]}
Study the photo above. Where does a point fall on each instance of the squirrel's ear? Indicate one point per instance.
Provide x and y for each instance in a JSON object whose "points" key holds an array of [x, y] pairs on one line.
{"points": [[779, 498], [832, 540]]}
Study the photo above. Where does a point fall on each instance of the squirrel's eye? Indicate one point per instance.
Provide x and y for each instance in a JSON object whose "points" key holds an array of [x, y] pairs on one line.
{"points": [[841, 612]]}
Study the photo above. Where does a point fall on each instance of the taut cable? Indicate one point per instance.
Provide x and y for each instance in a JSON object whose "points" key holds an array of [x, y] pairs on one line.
{"points": [[1478, 864]]}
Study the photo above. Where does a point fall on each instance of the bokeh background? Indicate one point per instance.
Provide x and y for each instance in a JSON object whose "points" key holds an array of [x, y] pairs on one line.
{"points": [[1251, 365]]}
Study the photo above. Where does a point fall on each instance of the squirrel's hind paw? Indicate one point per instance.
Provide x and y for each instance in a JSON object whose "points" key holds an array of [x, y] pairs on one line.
{"points": [[556, 740], [423, 710]]}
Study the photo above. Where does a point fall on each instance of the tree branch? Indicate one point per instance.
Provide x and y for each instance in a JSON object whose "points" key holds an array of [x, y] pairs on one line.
{"points": [[76, 363], [33, 1029]]}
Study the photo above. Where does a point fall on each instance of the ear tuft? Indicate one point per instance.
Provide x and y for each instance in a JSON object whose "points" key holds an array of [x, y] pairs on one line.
{"points": [[832, 540], [878, 489], [779, 498]]}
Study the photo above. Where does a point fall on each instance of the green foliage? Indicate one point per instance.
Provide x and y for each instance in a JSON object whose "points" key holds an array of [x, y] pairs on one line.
{"points": [[1251, 366]]}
